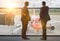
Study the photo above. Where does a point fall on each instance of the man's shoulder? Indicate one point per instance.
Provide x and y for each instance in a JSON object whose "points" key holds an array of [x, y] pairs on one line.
{"points": [[41, 7], [47, 7], [24, 8]]}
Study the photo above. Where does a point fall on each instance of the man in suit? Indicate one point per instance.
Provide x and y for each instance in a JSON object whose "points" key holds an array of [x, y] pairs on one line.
{"points": [[44, 16], [25, 18]]}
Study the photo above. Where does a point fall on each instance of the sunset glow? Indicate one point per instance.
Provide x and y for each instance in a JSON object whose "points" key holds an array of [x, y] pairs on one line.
{"points": [[11, 5]]}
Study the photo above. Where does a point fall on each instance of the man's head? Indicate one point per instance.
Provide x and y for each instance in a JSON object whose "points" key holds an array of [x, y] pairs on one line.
{"points": [[26, 3], [44, 3]]}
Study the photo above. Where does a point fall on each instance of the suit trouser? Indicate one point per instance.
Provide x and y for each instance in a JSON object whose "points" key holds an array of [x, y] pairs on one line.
{"points": [[43, 23], [24, 28]]}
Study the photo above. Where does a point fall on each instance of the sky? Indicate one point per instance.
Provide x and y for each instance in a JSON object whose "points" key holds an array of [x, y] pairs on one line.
{"points": [[33, 3]]}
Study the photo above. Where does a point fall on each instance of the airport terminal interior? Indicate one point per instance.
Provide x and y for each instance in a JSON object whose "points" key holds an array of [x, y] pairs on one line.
{"points": [[11, 25]]}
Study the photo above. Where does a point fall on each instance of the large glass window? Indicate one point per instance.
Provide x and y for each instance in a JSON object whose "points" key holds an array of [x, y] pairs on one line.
{"points": [[10, 17]]}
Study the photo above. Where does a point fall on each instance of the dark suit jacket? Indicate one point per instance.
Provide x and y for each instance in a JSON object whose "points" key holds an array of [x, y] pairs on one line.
{"points": [[44, 13]]}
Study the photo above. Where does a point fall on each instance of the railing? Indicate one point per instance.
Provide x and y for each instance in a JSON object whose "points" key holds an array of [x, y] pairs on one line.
{"points": [[52, 11]]}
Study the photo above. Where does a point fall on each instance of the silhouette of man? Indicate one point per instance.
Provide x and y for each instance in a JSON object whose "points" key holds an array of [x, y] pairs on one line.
{"points": [[44, 16], [25, 18]]}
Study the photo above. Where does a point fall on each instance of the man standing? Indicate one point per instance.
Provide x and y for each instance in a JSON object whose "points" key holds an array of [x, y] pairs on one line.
{"points": [[25, 18], [44, 16]]}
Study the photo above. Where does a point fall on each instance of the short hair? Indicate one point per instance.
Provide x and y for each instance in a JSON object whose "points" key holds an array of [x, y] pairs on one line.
{"points": [[43, 3], [26, 3]]}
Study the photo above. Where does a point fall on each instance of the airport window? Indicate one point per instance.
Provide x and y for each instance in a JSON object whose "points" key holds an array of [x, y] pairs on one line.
{"points": [[12, 25]]}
